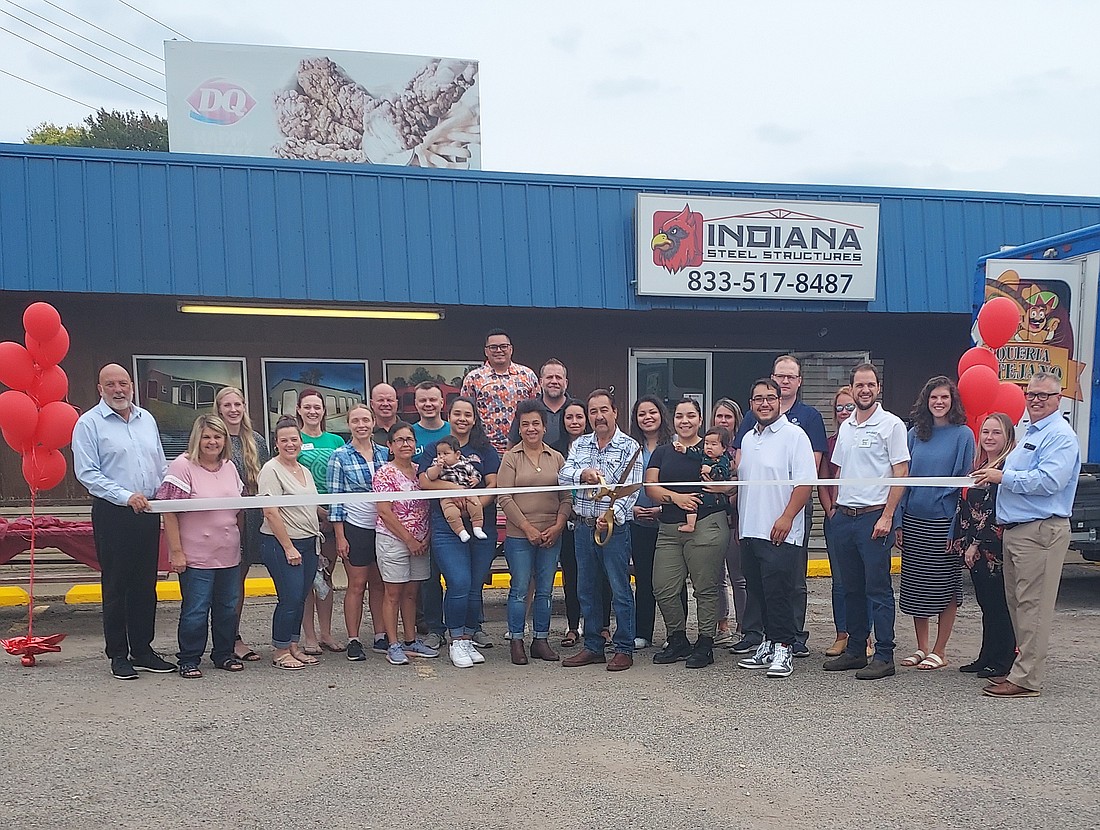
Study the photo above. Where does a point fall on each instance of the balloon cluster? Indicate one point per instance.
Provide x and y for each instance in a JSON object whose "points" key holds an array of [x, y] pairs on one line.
{"points": [[980, 385], [34, 418]]}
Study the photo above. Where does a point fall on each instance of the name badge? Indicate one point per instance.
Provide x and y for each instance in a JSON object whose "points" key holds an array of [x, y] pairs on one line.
{"points": [[1029, 447], [865, 442], [307, 446]]}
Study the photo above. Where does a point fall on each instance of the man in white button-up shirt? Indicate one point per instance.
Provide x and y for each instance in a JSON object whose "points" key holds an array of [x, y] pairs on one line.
{"points": [[772, 523]]}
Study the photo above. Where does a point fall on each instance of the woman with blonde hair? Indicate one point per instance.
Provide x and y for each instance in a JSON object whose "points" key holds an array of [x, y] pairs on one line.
{"points": [[248, 451], [726, 413], [204, 547], [978, 541]]}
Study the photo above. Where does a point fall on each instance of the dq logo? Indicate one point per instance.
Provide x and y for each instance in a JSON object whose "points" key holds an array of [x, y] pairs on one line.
{"points": [[677, 239], [220, 102]]}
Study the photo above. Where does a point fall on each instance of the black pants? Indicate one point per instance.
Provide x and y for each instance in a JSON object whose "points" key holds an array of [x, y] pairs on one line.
{"points": [[772, 575], [568, 560], [998, 639], [127, 545], [753, 627], [643, 542]]}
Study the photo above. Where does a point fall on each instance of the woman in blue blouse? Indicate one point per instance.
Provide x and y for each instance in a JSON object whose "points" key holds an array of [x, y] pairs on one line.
{"points": [[940, 444]]}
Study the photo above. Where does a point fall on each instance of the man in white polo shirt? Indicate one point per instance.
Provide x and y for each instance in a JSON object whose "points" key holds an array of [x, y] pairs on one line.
{"points": [[870, 444], [773, 523]]}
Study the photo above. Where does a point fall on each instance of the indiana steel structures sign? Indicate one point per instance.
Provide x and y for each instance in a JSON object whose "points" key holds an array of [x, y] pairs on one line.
{"points": [[691, 246]]}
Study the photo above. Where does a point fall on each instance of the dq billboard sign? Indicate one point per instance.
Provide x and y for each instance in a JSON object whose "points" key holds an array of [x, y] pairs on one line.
{"points": [[691, 246], [323, 104]]}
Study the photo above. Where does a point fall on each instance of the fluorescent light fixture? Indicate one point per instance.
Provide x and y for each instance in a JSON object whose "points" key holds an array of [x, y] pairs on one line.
{"points": [[314, 311]]}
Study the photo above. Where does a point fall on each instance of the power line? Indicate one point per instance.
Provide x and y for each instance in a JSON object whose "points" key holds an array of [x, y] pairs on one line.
{"points": [[82, 37], [46, 88], [82, 51], [101, 29], [85, 68], [165, 25]]}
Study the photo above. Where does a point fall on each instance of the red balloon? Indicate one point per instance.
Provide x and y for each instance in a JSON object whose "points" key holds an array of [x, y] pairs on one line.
{"points": [[1010, 400], [18, 416], [19, 446], [55, 425], [978, 356], [16, 366], [998, 320], [50, 384], [978, 387], [43, 469], [41, 321], [49, 352]]}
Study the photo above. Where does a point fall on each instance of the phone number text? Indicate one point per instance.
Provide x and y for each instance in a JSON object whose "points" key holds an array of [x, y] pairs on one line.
{"points": [[769, 282]]}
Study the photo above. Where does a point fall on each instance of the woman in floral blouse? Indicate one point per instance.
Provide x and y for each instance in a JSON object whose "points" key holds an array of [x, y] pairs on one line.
{"points": [[978, 540]]}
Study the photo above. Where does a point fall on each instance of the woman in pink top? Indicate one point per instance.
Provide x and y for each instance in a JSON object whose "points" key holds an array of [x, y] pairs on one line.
{"points": [[204, 547]]}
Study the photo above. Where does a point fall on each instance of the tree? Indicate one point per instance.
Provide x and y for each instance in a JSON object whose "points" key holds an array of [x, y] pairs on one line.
{"points": [[112, 130]]}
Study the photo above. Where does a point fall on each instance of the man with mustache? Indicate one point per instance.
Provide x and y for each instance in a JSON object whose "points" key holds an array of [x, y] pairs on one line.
{"points": [[118, 456], [870, 444]]}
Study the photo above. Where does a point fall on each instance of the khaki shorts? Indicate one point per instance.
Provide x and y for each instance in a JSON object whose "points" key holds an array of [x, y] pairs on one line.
{"points": [[396, 564]]}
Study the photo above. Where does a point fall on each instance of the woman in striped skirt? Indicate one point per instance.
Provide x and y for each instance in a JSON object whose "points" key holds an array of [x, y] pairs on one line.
{"points": [[941, 444]]}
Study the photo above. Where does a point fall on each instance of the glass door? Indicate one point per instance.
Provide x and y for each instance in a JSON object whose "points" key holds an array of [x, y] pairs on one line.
{"points": [[670, 375]]}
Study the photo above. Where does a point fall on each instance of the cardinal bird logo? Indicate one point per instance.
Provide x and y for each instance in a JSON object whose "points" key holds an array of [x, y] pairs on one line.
{"points": [[677, 239]]}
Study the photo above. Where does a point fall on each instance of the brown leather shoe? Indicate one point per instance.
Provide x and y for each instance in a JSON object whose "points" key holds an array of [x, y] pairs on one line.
{"points": [[584, 657], [519, 654], [620, 662], [1008, 689], [540, 650], [997, 679], [837, 648]]}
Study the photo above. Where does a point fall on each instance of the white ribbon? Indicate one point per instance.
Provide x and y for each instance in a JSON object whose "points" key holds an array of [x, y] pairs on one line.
{"points": [[246, 502]]}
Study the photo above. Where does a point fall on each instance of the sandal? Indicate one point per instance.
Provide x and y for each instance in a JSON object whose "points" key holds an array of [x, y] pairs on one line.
{"points": [[315, 651], [932, 661], [570, 639], [230, 664], [249, 656], [190, 671], [306, 659], [914, 659], [288, 662], [335, 649]]}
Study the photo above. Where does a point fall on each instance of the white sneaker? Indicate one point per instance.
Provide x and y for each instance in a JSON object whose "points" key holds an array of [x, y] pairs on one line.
{"points": [[475, 655], [460, 655], [479, 533], [781, 662], [761, 659], [640, 643]]}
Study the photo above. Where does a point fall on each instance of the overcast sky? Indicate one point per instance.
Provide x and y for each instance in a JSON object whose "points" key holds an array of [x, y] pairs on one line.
{"points": [[968, 95]]}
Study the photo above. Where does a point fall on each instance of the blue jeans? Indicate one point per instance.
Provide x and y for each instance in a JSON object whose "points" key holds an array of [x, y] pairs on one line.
{"points": [[523, 559], [465, 566], [613, 559], [865, 571], [840, 620], [209, 596], [292, 584]]}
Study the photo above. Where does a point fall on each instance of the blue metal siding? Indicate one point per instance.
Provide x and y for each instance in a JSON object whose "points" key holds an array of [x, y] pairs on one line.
{"points": [[97, 221]]}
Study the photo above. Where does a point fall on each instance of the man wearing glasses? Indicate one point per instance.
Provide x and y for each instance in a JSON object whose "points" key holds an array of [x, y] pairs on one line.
{"points": [[1034, 501], [787, 374], [497, 387]]}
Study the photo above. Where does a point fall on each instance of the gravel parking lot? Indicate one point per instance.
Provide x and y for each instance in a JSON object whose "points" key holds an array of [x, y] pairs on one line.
{"points": [[369, 745]]}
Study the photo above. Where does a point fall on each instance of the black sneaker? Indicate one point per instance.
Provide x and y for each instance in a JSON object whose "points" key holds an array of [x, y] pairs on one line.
{"points": [[746, 645], [153, 662], [355, 650], [845, 662], [381, 645], [876, 670], [677, 648], [800, 650], [702, 655], [122, 670]]}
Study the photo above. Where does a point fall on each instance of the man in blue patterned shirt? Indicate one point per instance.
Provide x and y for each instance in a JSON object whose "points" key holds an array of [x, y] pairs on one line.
{"points": [[614, 456]]}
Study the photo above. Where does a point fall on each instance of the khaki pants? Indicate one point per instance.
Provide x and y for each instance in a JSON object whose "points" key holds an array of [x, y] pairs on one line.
{"points": [[698, 555], [1034, 554]]}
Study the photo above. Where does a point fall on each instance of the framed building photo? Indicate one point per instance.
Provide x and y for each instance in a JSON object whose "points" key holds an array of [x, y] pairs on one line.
{"points": [[403, 375], [176, 390], [342, 384]]}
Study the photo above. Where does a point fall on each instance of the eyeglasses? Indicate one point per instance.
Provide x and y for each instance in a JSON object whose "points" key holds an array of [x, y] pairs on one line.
{"points": [[404, 439], [845, 407], [498, 347], [764, 399], [1041, 397], [781, 378]]}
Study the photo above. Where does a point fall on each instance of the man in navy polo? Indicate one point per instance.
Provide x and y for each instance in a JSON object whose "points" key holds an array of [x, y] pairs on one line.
{"points": [[787, 373]]}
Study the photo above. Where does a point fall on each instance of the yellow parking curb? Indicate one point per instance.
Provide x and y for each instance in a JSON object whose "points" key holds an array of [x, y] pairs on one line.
{"points": [[11, 596], [167, 591], [820, 567]]}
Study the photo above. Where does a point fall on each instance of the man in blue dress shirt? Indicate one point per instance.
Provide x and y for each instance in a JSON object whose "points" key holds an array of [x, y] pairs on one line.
{"points": [[118, 456], [1034, 503]]}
